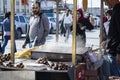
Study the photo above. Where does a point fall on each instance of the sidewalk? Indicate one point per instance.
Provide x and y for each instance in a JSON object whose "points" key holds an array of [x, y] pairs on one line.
{"points": [[92, 39]]}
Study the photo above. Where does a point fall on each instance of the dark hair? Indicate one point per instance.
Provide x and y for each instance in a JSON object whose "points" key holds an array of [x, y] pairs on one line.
{"points": [[7, 14], [68, 11], [36, 2], [109, 12]]}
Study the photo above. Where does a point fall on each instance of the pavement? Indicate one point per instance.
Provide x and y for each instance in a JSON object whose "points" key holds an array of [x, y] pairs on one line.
{"points": [[91, 40]]}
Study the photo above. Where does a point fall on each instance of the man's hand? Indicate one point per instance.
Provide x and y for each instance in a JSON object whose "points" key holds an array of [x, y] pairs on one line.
{"points": [[103, 44], [114, 78], [23, 46]]}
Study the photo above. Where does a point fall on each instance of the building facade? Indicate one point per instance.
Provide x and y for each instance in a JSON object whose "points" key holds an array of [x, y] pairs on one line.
{"points": [[5, 6]]}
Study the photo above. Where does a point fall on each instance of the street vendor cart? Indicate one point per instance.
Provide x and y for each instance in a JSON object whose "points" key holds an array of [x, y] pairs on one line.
{"points": [[53, 62]]}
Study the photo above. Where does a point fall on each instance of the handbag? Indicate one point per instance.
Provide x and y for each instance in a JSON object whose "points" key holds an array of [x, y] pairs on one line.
{"points": [[62, 28]]}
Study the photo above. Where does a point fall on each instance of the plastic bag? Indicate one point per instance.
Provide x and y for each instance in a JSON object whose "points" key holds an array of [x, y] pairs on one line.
{"points": [[92, 60]]}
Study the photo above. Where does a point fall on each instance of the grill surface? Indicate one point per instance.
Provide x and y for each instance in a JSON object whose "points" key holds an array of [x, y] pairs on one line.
{"points": [[58, 53]]}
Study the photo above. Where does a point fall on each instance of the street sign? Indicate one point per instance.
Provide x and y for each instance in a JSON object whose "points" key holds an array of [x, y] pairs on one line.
{"points": [[24, 2]]}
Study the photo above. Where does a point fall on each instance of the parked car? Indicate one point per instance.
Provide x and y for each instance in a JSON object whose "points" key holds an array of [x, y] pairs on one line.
{"points": [[21, 24], [48, 14], [52, 24]]}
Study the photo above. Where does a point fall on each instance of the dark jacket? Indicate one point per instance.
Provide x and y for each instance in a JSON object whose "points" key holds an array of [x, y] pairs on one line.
{"points": [[86, 23], [83, 23], [42, 32], [114, 31]]}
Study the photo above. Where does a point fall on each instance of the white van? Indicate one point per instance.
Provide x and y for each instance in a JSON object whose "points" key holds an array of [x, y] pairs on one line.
{"points": [[21, 24]]}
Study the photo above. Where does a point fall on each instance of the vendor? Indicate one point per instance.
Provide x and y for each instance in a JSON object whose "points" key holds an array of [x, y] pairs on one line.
{"points": [[114, 37]]}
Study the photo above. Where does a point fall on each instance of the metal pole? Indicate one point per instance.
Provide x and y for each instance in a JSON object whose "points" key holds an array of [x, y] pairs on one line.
{"points": [[57, 18], [4, 6], [12, 29], [25, 9], [74, 34], [101, 24], [91, 6]]}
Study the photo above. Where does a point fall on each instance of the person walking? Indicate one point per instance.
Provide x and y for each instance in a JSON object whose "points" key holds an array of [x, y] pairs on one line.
{"points": [[81, 25], [67, 24], [38, 27], [6, 30], [106, 29], [105, 68]]}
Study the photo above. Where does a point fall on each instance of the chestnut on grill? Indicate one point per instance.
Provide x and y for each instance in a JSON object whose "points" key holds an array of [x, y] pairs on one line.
{"points": [[20, 65], [42, 60], [10, 64]]}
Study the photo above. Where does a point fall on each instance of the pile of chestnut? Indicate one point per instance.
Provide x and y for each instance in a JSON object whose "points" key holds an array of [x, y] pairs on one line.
{"points": [[5, 57], [53, 65], [5, 61]]}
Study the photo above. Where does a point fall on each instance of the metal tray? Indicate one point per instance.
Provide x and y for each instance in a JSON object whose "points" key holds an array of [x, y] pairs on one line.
{"points": [[58, 53]]}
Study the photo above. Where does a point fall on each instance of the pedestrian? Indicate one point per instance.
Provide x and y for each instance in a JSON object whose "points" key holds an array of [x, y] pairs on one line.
{"points": [[6, 29], [105, 68], [67, 24], [62, 28], [38, 27], [106, 28], [81, 25], [114, 37]]}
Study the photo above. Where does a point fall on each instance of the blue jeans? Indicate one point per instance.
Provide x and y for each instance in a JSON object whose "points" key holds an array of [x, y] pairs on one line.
{"points": [[109, 67], [105, 68], [5, 42], [67, 27], [114, 67]]}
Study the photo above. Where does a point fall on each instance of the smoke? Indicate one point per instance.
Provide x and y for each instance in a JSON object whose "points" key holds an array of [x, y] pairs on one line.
{"points": [[65, 47]]}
